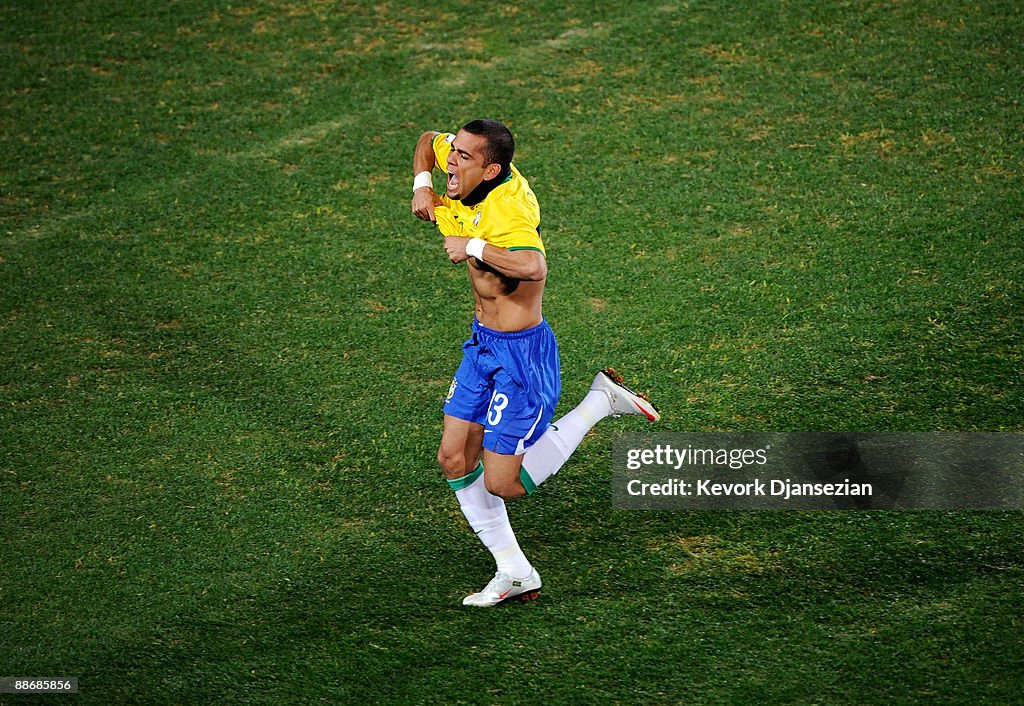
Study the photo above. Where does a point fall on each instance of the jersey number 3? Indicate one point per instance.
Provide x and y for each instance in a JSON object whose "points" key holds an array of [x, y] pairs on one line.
{"points": [[499, 401]]}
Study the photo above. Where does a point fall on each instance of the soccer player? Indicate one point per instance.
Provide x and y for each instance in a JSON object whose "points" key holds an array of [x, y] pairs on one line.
{"points": [[497, 442]]}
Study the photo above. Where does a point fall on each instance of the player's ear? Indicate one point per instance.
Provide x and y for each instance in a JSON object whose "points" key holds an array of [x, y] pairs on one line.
{"points": [[491, 171]]}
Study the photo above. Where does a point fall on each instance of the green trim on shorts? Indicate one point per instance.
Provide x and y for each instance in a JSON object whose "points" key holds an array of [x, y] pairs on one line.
{"points": [[466, 480]]}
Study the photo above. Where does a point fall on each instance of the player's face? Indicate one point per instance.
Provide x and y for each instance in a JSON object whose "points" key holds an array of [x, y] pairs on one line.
{"points": [[467, 166]]}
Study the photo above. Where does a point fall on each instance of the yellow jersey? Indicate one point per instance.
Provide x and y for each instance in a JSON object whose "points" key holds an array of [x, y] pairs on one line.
{"points": [[508, 217]]}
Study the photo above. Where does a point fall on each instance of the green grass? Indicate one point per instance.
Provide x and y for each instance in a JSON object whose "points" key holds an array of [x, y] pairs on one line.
{"points": [[224, 340]]}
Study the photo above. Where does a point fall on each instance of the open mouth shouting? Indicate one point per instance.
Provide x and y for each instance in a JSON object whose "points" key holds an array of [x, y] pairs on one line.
{"points": [[453, 184]]}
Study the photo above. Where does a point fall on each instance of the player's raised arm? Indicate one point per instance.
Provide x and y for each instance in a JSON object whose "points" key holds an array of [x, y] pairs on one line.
{"points": [[423, 197]]}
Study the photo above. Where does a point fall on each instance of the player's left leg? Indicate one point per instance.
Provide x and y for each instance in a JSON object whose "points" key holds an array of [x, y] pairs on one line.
{"points": [[502, 474], [513, 476], [607, 397]]}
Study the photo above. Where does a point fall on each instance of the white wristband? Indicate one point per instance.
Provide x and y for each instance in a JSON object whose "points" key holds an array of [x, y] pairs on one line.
{"points": [[422, 179], [475, 248]]}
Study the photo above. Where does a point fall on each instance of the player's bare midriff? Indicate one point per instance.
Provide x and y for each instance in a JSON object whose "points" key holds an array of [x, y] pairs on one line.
{"points": [[503, 303]]}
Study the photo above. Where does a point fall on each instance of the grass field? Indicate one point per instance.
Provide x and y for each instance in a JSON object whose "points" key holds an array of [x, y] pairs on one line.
{"points": [[224, 340]]}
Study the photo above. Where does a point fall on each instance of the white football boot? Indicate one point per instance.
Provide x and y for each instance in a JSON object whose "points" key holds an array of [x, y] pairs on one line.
{"points": [[505, 588], [622, 399]]}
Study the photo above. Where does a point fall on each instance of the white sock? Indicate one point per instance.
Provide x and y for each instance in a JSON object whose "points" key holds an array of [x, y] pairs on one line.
{"points": [[556, 445], [487, 516]]}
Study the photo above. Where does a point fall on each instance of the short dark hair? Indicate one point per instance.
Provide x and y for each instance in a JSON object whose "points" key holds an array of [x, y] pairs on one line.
{"points": [[500, 144]]}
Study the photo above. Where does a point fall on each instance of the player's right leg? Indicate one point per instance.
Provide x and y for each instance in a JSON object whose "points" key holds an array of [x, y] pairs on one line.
{"points": [[459, 458], [461, 445]]}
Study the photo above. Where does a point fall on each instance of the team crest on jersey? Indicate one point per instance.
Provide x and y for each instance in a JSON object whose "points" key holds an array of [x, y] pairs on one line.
{"points": [[476, 221], [451, 390]]}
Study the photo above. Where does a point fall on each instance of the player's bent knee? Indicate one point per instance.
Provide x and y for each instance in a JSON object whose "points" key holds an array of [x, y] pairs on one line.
{"points": [[453, 465], [448, 464], [505, 488]]}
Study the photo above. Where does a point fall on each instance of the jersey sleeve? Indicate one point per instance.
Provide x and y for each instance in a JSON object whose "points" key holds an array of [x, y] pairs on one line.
{"points": [[520, 233], [515, 220], [442, 145]]}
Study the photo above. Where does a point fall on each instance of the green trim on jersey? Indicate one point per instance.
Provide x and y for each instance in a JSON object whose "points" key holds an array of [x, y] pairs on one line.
{"points": [[526, 247]]}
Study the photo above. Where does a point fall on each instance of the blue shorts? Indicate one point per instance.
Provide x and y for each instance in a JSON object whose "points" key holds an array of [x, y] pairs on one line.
{"points": [[509, 382]]}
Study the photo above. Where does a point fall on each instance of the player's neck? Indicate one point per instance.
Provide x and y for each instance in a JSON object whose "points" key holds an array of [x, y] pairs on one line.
{"points": [[485, 187]]}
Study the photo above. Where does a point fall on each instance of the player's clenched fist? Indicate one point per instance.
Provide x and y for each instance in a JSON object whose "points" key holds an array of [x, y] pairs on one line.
{"points": [[456, 247], [423, 202]]}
